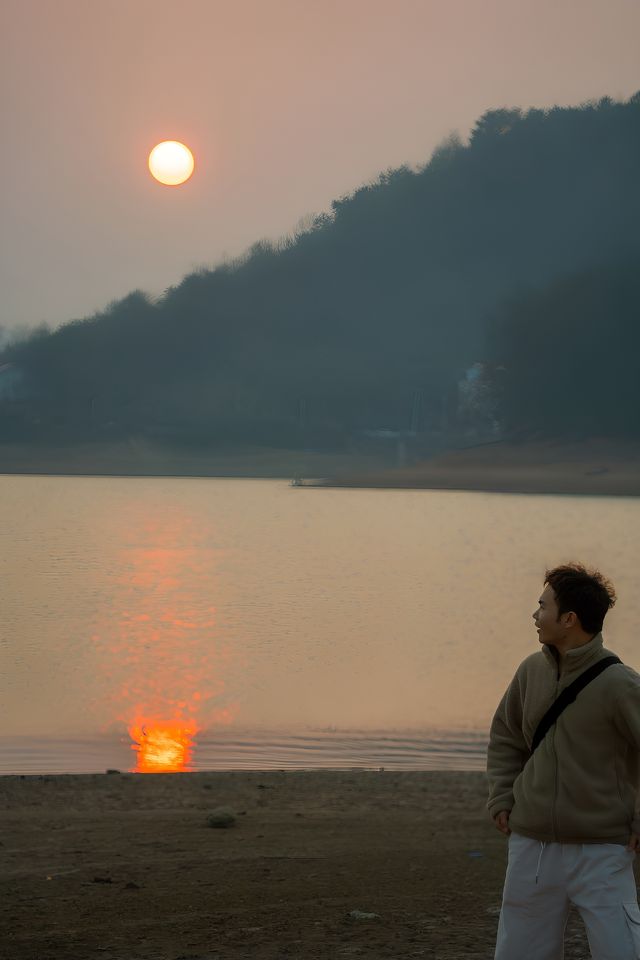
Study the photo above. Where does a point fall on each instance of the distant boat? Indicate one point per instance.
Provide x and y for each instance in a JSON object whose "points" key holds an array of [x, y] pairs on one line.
{"points": [[306, 482]]}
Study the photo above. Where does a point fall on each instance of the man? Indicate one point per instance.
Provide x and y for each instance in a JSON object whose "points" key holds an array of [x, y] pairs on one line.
{"points": [[570, 809]]}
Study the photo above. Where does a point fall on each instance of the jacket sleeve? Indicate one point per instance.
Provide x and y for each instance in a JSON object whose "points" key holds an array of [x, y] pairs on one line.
{"points": [[627, 720], [508, 751]]}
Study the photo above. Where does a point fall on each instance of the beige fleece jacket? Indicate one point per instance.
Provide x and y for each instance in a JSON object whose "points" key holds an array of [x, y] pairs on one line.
{"points": [[581, 784]]}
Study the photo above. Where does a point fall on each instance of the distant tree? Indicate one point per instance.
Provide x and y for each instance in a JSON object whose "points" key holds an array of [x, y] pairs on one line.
{"points": [[489, 250], [572, 355]]}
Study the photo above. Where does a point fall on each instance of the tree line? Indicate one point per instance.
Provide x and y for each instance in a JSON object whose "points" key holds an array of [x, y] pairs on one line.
{"points": [[519, 247]]}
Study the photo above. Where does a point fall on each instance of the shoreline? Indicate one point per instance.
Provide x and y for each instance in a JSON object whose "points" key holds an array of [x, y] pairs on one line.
{"points": [[597, 467], [588, 468], [407, 751], [126, 867]]}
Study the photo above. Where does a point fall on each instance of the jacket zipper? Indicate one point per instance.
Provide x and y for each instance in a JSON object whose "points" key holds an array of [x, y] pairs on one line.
{"points": [[555, 762], [555, 791]]}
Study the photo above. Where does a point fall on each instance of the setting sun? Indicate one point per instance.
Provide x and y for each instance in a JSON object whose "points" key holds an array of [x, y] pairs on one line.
{"points": [[171, 163]]}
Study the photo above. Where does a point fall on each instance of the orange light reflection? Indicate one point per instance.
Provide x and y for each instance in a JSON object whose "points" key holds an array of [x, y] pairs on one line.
{"points": [[166, 647], [162, 747]]}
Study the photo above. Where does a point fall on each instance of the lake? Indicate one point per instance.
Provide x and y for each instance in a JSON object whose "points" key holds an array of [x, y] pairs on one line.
{"points": [[176, 624]]}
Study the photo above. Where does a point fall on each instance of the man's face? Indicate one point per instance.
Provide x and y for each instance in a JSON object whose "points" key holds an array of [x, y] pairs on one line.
{"points": [[550, 628]]}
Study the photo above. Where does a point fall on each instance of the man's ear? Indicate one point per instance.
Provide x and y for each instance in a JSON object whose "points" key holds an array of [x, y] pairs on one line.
{"points": [[572, 619]]}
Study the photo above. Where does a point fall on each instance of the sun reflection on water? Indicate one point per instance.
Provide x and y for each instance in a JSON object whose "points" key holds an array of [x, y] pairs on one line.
{"points": [[162, 747], [162, 642]]}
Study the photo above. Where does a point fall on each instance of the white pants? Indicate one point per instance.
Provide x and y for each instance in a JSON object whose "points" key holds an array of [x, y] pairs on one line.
{"points": [[544, 879]]}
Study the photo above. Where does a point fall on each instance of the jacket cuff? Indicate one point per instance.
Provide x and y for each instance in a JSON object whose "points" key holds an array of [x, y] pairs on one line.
{"points": [[504, 802]]}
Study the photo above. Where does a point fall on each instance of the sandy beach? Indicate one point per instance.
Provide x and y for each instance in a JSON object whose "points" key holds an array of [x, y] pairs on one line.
{"points": [[125, 866]]}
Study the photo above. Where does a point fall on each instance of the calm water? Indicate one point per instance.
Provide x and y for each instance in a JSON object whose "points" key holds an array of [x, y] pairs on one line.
{"points": [[282, 626]]}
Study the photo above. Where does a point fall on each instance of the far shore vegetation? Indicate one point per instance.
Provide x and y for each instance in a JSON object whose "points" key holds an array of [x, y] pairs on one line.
{"points": [[492, 295]]}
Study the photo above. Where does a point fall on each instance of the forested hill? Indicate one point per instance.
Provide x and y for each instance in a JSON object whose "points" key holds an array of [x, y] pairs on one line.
{"points": [[392, 296]]}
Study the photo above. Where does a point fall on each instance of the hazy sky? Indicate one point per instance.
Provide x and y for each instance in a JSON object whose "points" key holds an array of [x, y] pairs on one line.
{"points": [[286, 104]]}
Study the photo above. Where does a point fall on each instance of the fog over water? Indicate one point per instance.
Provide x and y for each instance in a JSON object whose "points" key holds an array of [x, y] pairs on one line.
{"points": [[248, 605]]}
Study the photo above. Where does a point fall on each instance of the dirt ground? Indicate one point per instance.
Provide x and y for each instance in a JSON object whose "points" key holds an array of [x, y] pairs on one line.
{"points": [[126, 867]]}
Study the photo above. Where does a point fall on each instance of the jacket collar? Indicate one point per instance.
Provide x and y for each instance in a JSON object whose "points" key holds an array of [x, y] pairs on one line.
{"points": [[576, 660]]}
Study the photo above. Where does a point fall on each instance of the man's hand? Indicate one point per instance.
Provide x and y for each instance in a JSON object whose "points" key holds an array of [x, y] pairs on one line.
{"points": [[634, 843], [501, 821]]}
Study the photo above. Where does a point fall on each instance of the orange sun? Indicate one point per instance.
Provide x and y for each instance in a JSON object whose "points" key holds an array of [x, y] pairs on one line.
{"points": [[171, 163]]}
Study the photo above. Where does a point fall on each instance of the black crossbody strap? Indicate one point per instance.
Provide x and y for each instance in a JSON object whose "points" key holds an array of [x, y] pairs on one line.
{"points": [[567, 696]]}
